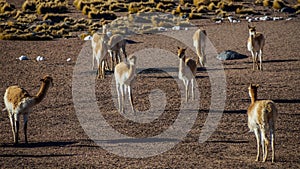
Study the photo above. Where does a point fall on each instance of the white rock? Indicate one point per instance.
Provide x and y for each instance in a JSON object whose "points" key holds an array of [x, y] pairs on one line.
{"points": [[88, 38], [176, 28], [69, 59], [23, 57], [40, 58], [161, 29], [219, 21]]}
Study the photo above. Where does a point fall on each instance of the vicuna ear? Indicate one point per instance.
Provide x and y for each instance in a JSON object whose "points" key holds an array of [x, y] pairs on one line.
{"points": [[249, 26], [257, 85], [184, 49], [178, 47]]}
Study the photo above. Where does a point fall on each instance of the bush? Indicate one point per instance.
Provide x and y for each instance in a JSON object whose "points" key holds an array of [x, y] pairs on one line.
{"points": [[54, 17], [29, 6], [44, 8], [102, 15], [5, 7]]}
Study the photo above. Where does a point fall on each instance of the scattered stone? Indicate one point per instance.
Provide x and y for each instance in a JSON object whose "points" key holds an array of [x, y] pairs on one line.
{"points": [[288, 10], [23, 57], [230, 55]]}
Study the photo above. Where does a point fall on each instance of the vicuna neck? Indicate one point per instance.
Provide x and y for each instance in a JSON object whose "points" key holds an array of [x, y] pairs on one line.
{"points": [[253, 96], [41, 93], [182, 62], [131, 70]]}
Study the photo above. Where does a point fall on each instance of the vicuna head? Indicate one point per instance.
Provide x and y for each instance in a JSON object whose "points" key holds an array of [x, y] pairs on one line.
{"points": [[181, 53], [252, 30], [47, 80], [253, 91], [132, 60]]}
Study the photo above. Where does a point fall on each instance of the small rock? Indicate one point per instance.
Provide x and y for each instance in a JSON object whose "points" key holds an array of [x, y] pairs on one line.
{"points": [[288, 10], [39, 58], [176, 28], [230, 55], [69, 59], [88, 38], [23, 57]]}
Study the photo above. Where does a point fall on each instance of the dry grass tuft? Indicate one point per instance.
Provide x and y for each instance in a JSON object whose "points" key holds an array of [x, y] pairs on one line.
{"points": [[278, 4], [6, 7], [56, 18], [102, 15], [245, 11], [29, 6]]}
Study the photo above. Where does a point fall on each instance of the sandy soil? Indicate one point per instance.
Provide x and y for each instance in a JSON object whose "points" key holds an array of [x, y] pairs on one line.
{"points": [[57, 138]]}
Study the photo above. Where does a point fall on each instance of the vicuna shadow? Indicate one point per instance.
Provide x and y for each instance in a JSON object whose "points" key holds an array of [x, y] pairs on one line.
{"points": [[286, 101], [40, 144], [36, 156], [229, 141], [278, 61]]}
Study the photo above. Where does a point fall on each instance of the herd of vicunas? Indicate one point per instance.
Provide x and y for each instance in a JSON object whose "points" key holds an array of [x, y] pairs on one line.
{"points": [[261, 113]]}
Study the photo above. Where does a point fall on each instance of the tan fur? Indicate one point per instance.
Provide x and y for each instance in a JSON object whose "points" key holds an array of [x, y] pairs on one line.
{"points": [[260, 114], [187, 72], [18, 101], [99, 45], [199, 43], [124, 74], [116, 44], [255, 44]]}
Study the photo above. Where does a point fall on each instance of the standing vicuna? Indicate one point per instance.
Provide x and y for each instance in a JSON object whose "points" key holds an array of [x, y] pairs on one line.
{"points": [[256, 42], [124, 74], [187, 72], [99, 45], [19, 102], [116, 43], [260, 114], [199, 43]]}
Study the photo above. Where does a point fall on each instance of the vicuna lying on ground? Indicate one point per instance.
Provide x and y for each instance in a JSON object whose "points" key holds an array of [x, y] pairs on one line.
{"points": [[19, 102], [187, 72], [262, 113], [256, 42]]}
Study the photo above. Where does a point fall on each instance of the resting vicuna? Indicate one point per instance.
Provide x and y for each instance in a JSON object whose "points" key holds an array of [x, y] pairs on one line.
{"points": [[124, 74], [99, 45], [19, 102], [199, 43], [116, 44], [187, 72], [260, 114], [256, 42]]}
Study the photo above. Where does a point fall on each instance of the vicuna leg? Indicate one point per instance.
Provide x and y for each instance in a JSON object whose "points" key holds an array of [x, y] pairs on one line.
{"points": [[260, 59], [257, 135], [187, 87], [93, 62], [25, 117], [119, 96], [264, 143], [12, 123], [17, 124], [123, 98], [272, 135], [130, 97], [193, 89], [253, 60]]}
